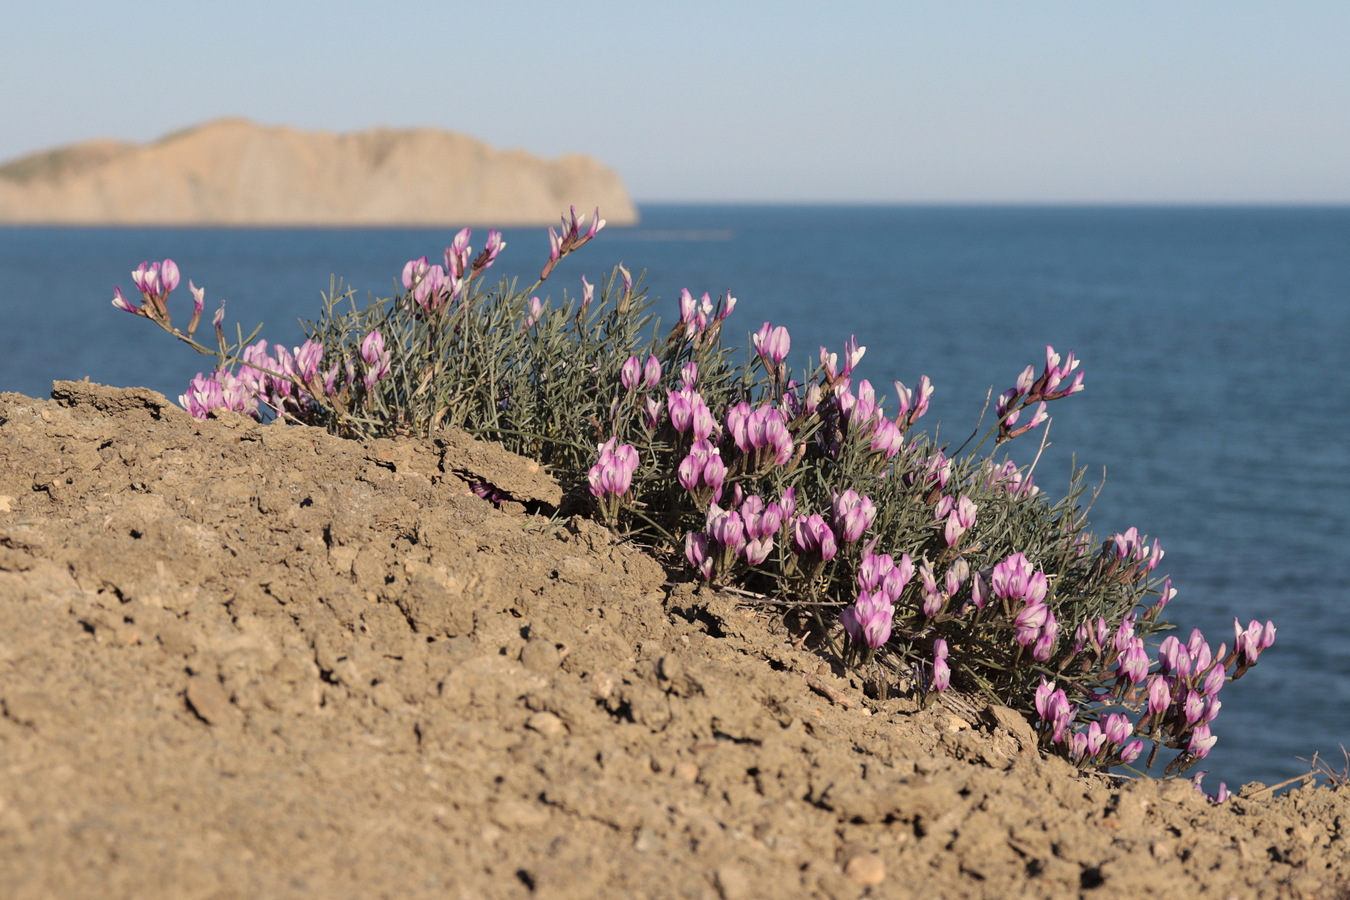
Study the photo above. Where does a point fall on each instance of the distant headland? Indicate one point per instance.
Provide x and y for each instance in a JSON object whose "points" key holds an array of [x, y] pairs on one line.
{"points": [[236, 172]]}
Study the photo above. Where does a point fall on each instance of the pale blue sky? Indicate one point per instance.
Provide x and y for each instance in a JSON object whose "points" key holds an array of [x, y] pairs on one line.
{"points": [[940, 101]]}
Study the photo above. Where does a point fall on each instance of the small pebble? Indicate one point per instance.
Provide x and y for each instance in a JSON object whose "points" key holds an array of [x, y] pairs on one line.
{"points": [[733, 883], [210, 701], [540, 656], [602, 685], [547, 724], [866, 870]]}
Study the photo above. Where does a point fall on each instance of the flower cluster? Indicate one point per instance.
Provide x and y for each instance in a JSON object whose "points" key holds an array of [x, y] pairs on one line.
{"points": [[289, 382], [881, 582], [1176, 699], [432, 287], [570, 238], [1021, 590], [155, 281], [761, 435], [743, 533], [612, 475], [700, 320], [928, 569], [1032, 390], [957, 515], [219, 390], [702, 473]]}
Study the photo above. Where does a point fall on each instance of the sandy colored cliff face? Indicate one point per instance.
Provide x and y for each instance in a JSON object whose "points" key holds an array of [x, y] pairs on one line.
{"points": [[234, 172]]}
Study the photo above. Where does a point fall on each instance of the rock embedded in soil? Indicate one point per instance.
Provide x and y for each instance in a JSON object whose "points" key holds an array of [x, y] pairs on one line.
{"points": [[262, 661]]}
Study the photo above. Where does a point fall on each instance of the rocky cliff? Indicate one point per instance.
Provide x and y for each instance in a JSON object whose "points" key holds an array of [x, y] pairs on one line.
{"points": [[235, 172]]}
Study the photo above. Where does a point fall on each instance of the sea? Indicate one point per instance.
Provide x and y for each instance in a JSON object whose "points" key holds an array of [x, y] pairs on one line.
{"points": [[1213, 342]]}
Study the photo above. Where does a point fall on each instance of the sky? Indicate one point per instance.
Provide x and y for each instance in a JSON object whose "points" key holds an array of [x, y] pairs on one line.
{"points": [[939, 101]]}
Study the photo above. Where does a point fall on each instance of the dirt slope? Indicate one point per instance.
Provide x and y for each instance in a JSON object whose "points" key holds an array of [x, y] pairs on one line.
{"points": [[258, 661]]}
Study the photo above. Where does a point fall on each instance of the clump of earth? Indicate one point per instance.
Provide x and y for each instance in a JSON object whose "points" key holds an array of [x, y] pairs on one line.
{"points": [[245, 660]]}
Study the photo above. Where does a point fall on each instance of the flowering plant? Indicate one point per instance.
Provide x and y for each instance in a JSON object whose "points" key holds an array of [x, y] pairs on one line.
{"points": [[928, 568]]}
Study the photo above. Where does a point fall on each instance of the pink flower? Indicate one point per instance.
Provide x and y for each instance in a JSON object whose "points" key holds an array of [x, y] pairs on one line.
{"points": [[913, 404], [651, 372], [652, 410], [760, 434], [1159, 695], [1201, 742], [960, 520], [612, 474], [933, 598], [571, 238], [859, 409], [1251, 641], [588, 291], [887, 439], [1132, 665], [458, 253], [534, 314], [1054, 708], [869, 620], [308, 356], [491, 248], [696, 550], [689, 414], [414, 270], [688, 312], [146, 279], [1030, 622], [726, 528], [728, 304], [1117, 728], [155, 281], [830, 363], [219, 390], [702, 468], [429, 292], [772, 344], [1173, 658], [872, 570], [1016, 579], [853, 355], [198, 303], [1086, 746], [1045, 644], [811, 537], [694, 314], [853, 515], [979, 589], [121, 302], [168, 275], [376, 358], [761, 520], [942, 673], [630, 376], [1214, 681]]}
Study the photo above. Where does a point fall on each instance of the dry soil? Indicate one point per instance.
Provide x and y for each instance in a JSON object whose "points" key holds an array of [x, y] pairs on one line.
{"points": [[240, 660]]}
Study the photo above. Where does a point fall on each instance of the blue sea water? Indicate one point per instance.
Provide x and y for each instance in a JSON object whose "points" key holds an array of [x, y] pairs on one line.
{"points": [[1213, 342]]}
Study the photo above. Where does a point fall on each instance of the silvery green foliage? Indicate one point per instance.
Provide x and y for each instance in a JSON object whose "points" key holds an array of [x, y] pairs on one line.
{"points": [[927, 567]]}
